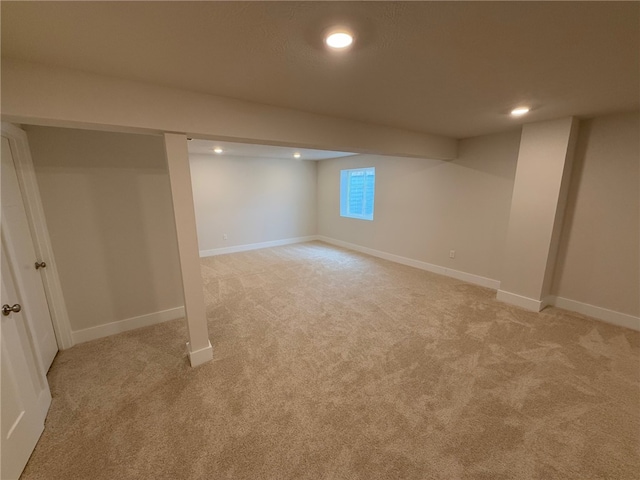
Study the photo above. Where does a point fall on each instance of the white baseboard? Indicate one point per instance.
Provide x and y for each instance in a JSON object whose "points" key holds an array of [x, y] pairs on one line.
{"points": [[256, 246], [604, 314], [609, 316], [198, 357], [87, 334], [520, 301], [466, 277]]}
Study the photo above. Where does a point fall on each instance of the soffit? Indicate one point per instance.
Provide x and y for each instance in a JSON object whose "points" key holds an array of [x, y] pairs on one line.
{"points": [[233, 149], [451, 68]]}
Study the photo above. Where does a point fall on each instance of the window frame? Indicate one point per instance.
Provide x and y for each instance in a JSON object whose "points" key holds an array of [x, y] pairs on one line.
{"points": [[345, 193]]}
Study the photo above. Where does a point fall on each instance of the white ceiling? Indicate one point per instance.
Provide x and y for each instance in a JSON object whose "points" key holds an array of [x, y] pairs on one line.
{"points": [[453, 68], [231, 149]]}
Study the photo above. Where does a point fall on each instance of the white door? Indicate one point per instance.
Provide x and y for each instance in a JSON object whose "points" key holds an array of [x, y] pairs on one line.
{"points": [[25, 395], [18, 244]]}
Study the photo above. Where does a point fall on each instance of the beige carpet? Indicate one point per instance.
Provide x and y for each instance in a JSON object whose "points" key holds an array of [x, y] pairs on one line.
{"points": [[334, 365]]}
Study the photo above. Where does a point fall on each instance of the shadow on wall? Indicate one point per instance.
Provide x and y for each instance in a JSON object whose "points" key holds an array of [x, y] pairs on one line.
{"points": [[572, 197], [120, 252], [495, 155]]}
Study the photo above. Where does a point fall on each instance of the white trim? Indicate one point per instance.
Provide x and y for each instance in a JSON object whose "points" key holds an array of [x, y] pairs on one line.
{"points": [[604, 314], [520, 301], [38, 226], [256, 246], [177, 160], [464, 276], [609, 316], [104, 330], [201, 356], [472, 278]]}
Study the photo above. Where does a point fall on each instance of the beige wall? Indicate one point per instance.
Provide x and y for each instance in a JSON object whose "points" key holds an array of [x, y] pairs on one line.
{"points": [[108, 207], [252, 200], [107, 203], [424, 208], [599, 254]]}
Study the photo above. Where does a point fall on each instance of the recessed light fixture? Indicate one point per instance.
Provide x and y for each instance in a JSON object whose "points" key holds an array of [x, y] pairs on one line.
{"points": [[519, 111], [218, 150], [338, 39], [297, 155]]}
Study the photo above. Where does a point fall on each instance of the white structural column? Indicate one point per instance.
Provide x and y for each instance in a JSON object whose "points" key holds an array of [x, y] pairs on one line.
{"points": [[199, 347], [537, 210]]}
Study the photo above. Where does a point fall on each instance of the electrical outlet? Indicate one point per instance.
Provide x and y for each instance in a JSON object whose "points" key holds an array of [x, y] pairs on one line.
{"points": [[452, 254], [225, 236]]}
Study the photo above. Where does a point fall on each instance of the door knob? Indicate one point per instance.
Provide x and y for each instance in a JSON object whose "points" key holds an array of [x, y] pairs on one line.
{"points": [[6, 309], [40, 265]]}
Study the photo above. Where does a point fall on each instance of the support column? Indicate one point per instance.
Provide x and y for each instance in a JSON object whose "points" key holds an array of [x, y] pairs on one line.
{"points": [[537, 211], [198, 346]]}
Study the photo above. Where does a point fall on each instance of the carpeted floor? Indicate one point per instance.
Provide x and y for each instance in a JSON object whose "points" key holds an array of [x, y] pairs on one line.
{"points": [[329, 364]]}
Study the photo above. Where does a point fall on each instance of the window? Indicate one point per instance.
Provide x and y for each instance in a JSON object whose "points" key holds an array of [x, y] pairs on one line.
{"points": [[357, 188]]}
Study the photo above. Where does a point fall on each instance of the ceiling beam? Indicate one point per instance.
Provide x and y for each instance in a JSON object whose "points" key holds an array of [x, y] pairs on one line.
{"points": [[41, 95]]}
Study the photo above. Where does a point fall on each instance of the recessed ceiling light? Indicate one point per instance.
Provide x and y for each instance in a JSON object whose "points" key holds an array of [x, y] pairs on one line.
{"points": [[218, 150], [339, 40], [297, 155], [516, 112]]}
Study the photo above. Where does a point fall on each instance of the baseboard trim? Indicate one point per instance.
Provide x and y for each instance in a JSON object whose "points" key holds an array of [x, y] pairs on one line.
{"points": [[256, 246], [464, 276], [604, 314], [520, 301], [198, 357], [100, 331]]}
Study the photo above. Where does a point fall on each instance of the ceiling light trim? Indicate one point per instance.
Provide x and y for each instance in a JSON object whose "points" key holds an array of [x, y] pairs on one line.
{"points": [[339, 39], [520, 111]]}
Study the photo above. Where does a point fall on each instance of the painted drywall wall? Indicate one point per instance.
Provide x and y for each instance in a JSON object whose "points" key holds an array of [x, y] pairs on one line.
{"points": [[41, 95], [107, 203], [252, 200], [599, 254], [425, 208], [538, 203]]}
